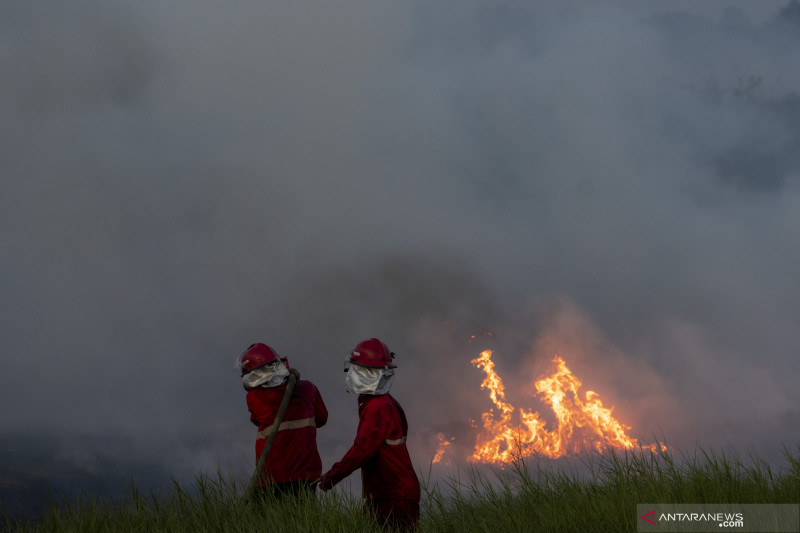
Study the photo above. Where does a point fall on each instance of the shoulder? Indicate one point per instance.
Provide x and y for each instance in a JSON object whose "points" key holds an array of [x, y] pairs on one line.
{"points": [[304, 384], [382, 402], [264, 393], [305, 388], [393, 405]]}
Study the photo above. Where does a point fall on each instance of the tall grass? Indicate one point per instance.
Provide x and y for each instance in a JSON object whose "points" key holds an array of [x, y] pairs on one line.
{"points": [[598, 494], [604, 496]]}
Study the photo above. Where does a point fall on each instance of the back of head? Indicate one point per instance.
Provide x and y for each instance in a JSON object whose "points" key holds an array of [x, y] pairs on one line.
{"points": [[372, 353], [261, 366], [255, 356], [370, 369]]}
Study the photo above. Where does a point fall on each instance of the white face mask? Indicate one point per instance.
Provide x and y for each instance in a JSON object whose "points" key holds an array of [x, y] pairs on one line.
{"points": [[366, 380], [266, 376]]}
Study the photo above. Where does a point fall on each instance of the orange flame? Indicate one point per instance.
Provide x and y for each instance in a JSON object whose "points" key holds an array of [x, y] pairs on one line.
{"points": [[581, 423], [443, 444]]}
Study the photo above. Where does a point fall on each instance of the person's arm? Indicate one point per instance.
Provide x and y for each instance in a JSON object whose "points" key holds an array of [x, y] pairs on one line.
{"points": [[372, 430], [261, 410], [251, 409]]}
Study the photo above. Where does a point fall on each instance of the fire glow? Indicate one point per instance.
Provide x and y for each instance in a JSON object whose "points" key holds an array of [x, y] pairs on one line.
{"points": [[581, 423]]}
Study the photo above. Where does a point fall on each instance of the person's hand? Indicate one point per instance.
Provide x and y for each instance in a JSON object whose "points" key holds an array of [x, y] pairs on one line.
{"points": [[323, 483], [295, 372]]}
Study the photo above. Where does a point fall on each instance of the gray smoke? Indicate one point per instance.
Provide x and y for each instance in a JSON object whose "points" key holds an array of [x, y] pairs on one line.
{"points": [[618, 184]]}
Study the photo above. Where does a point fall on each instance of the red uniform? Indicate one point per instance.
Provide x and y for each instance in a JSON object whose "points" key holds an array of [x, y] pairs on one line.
{"points": [[294, 455], [390, 484]]}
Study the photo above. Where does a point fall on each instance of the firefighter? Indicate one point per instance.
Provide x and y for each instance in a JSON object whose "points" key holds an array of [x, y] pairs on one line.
{"points": [[390, 486], [293, 461]]}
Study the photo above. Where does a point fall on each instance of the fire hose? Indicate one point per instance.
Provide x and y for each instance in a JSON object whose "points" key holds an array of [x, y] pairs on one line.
{"points": [[262, 460]]}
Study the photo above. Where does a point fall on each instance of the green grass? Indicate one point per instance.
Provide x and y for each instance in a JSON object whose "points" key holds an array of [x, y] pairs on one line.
{"points": [[605, 496], [529, 496]]}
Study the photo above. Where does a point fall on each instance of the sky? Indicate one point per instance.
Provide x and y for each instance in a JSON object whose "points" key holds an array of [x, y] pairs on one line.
{"points": [[617, 183]]}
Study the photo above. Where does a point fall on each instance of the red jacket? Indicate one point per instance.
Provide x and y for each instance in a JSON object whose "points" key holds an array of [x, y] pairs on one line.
{"points": [[294, 455], [380, 451]]}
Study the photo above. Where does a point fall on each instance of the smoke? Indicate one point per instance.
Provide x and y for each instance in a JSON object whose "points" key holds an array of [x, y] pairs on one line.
{"points": [[617, 184]]}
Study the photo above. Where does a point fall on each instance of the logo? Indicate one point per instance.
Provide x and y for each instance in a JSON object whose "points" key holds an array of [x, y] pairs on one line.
{"points": [[651, 514], [714, 518]]}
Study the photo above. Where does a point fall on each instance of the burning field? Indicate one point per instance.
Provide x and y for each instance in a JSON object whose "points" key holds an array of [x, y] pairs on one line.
{"points": [[505, 432]]}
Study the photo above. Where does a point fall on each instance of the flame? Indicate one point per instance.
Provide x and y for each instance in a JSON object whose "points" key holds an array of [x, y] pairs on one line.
{"points": [[580, 423], [443, 444]]}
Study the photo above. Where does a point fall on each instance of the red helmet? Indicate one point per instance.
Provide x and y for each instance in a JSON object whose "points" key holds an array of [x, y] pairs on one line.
{"points": [[372, 353], [258, 355]]}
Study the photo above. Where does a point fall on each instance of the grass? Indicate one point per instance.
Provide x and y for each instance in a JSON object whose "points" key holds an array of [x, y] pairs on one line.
{"points": [[605, 496], [599, 493]]}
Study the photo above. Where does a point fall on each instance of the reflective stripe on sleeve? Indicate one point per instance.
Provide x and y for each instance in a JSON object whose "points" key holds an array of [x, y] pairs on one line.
{"points": [[289, 424], [395, 442]]}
